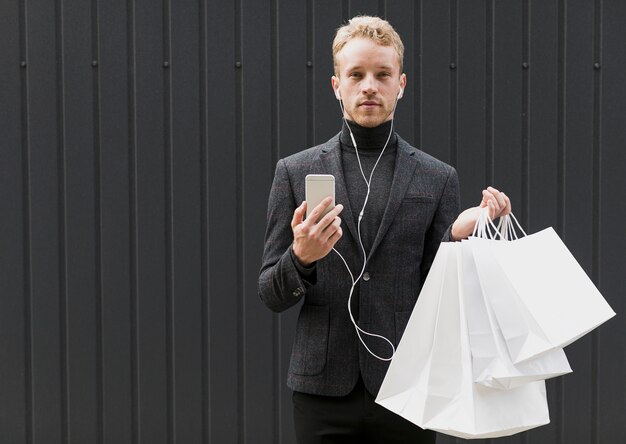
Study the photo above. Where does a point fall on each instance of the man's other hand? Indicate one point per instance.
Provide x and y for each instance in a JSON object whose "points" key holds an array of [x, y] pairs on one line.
{"points": [[498, 204]]}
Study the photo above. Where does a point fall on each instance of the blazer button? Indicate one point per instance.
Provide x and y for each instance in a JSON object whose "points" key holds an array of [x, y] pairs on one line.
{"points": [[366, 276]]}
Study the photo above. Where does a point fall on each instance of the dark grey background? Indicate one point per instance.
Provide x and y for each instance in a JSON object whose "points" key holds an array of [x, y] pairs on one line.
{"points": [[138, 143]]}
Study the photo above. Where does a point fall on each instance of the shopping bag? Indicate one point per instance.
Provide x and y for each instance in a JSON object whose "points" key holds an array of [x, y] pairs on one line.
{"points": [[491, 362], [541, 297], [410, 366], [430, 382]]}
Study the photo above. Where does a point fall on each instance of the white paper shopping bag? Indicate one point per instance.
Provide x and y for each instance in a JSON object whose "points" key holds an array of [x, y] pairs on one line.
{"points": [[430, 379], [413, 356], [554, 302], [491, 362]]}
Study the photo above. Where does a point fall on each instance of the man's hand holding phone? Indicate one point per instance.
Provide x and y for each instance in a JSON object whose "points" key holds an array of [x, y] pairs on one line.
{"points": [[315, 236]]}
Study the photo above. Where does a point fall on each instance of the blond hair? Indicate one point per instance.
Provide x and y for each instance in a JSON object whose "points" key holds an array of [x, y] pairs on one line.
{"points": [[372, 28]]}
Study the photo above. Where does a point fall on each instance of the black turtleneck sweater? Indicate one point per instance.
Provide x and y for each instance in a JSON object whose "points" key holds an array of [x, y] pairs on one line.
{"points": [[370, 142]]}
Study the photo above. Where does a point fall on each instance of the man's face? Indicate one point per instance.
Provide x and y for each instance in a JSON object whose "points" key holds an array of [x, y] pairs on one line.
{"points": [[368, 81]]}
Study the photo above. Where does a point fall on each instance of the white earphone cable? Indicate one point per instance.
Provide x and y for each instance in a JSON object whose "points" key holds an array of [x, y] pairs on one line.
{"points": [[359, 330]]}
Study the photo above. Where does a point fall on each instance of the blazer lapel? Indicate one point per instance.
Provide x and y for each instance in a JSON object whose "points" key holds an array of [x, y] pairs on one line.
{"points": [[406, 162], [331, 161]]}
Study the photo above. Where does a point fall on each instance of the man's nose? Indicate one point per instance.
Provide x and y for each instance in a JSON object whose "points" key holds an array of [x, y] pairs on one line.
{"points": [[369, 85]]}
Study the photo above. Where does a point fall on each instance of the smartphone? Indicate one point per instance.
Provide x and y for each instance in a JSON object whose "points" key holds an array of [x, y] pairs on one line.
{"points": [[317, 188]]}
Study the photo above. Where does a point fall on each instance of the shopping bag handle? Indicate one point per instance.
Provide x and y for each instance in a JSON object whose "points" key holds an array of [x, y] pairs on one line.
{"points": [[485, 229], [507, 229]]}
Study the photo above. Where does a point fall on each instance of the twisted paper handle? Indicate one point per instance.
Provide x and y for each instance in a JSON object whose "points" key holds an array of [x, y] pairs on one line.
{"points": [[485, 229]]}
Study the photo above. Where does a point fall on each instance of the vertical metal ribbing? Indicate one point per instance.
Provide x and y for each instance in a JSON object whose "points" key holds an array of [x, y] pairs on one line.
{"points": [[417, 76], [97, 145], [204, 232], [275, 154], [561, 159], [62, 221], [133, 223], [489, 91], [561, 114], [597, 207], [168, 157], [27, 223], [310, 90], [525, 114], [454, 88], [275, 78], [345, 10], [239, 125]]}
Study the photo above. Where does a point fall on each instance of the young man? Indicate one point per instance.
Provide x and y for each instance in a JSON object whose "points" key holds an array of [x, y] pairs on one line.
{"points": [[412, 202]]}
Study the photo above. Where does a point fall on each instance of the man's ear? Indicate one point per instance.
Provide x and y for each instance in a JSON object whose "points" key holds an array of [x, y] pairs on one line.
{"points": [[402, 85], [334, 81]]}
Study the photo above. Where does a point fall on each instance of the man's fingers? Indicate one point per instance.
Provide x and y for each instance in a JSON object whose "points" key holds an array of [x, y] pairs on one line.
{"points": [[500, 201], [492, 209], [496, 198], [336, 236], [507, 207], [298, 215], [499, 198], [331, 229], [328, 219], [318, 210]]}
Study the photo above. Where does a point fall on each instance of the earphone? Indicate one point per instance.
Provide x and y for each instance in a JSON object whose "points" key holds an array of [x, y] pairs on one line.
{"points": [[359, 330]]}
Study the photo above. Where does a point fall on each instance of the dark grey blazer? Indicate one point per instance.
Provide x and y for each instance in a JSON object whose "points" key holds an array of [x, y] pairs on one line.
{"points": [[423, 202]]}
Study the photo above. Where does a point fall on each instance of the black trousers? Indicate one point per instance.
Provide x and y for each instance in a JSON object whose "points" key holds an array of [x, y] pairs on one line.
{"points": [[352, 419]]}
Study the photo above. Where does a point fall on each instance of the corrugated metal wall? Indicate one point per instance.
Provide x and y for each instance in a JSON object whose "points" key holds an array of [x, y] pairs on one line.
{"points": [[138, 142]]}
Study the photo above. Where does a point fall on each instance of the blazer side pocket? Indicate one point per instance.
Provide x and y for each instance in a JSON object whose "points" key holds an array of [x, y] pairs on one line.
{"points": [[308, 357]]}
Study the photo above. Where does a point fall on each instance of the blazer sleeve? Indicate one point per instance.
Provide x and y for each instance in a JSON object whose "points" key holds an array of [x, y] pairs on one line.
{"points": [[441, 226], [281, 284]]}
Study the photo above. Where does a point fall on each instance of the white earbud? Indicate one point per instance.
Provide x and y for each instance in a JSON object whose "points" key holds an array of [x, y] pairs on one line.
{"points": [[400, 93]]}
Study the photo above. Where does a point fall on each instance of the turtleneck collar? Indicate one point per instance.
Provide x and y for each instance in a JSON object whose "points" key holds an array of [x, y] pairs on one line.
{"points": [[372, 139]]}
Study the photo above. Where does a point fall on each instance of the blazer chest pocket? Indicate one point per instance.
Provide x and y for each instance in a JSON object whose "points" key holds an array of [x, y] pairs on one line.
{"points": [[308, 356], [418, 199], [415, 213]]}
